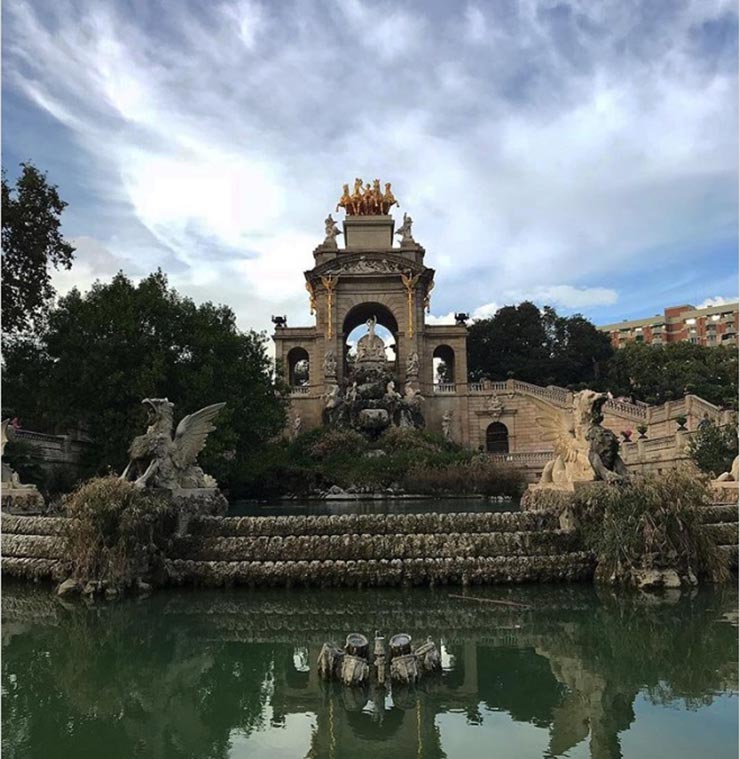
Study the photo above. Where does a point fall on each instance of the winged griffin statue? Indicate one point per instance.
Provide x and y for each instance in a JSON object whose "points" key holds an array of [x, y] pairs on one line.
{"points": [[584, 450], [159, 460]]}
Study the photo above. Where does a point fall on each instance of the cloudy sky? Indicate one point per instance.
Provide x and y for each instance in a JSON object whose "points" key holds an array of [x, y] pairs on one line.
{"points": [[581, 154]]}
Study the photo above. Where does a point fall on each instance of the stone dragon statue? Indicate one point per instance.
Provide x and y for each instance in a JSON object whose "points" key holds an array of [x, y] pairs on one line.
{"points": [[159, 460], [584, 450]]}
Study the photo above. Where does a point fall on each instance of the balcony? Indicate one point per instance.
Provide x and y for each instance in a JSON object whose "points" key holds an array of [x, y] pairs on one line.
{"points": [[444, 387]]}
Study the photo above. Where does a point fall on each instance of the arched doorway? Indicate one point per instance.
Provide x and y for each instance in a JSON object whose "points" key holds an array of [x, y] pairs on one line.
{"points": [[299, 368], [443, 366], [355, 326], [497, 438]]}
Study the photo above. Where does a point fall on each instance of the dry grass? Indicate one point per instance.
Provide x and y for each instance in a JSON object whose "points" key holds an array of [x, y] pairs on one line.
{"points": [[116, 533]]}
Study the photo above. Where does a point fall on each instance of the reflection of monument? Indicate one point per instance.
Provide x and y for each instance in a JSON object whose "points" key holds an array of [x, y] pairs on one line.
{"points": [[187, 671]]}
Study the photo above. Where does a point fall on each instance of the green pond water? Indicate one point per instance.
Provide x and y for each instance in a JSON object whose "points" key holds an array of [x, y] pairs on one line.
{"points": [[232, 674]]}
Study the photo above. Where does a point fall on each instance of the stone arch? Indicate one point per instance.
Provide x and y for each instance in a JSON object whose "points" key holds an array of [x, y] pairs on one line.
{"points": [[497, 438], [299, 367], [445, 354]]}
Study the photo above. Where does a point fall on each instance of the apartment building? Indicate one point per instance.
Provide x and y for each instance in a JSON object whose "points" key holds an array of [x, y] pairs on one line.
{"points": [[715, 325]]}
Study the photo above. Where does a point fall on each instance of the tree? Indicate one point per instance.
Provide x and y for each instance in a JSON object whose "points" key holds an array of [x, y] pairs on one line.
{"points": [[101, 353], [656, 374], [31, 242], [536, 346], [714, 448]]}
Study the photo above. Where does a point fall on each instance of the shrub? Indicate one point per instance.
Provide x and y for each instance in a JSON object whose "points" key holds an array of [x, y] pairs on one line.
{"points": [[476, 476], [337, 442], [649, 522], [117, 533], [713, 448]]}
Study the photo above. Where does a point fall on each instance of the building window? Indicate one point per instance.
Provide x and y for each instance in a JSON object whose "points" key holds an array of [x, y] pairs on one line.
{"points": [[497, 438]]}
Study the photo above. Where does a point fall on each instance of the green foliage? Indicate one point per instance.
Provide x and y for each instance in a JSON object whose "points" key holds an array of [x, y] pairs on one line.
{"points": [[651, 521], [536, 346], [31, 242], [101, 353], [417, 461], [117, 533], [656, 374], [713, 448]]}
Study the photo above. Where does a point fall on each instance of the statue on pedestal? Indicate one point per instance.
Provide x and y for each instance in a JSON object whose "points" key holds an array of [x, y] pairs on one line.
{"points": [[404, 231], [332, 231], [17, 497], [447, 425], [330, 364], [412, 365]]}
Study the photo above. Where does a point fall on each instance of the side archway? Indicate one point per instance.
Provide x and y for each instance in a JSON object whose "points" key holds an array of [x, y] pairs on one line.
{"points": [[497, 438], [299, 367], [443, 365]]}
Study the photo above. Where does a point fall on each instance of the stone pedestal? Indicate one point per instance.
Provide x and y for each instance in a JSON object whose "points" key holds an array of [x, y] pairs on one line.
{"points": [[368, 232], [26, 500], [195, 502]]}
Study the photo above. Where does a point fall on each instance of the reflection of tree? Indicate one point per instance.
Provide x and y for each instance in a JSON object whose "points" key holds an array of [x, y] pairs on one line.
{"points": [[129, 682]]}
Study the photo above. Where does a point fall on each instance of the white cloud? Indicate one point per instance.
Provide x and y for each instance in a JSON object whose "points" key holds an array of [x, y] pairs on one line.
{"points": [[717, 300], [566, 296], [530, 146]]}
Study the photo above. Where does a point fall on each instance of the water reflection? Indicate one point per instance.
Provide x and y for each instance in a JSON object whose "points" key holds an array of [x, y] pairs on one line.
{"points": [[198, 674]]}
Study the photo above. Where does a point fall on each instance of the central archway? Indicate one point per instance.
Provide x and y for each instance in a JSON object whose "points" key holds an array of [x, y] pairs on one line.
{"points": [[356, 318]]}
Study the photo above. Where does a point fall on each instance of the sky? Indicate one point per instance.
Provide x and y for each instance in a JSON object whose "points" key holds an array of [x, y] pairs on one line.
{"points": [[579, 154]]}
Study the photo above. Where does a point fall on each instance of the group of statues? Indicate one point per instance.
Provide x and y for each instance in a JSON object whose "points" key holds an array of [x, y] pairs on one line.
{"points": [[369, 200]]}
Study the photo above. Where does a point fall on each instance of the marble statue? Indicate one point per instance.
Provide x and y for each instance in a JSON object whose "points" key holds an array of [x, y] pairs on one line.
{"points": [[404, 231], [411, 394], [390, 390], [10, 478], [17, 497], [584, 450], [160, 459], [494, 406], [330, 364], [297, 424], [332, 397], [732, 475], [332, 230], [447, 425], [352, 392], [370, 347], [412, 364]]}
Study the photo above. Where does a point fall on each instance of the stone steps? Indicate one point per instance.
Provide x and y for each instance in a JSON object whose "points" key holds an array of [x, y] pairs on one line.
{"points": [[567, 567], [367, 547], [719, 512]]}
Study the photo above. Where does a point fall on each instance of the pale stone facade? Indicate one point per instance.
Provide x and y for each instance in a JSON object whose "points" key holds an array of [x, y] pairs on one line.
{"points": [[370, 278]]}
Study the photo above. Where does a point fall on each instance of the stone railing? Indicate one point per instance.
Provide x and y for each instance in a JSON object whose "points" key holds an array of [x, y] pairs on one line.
{"points": [[523, 458], [54, 450], [299, 389], [444, 387], [625, 408]]}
